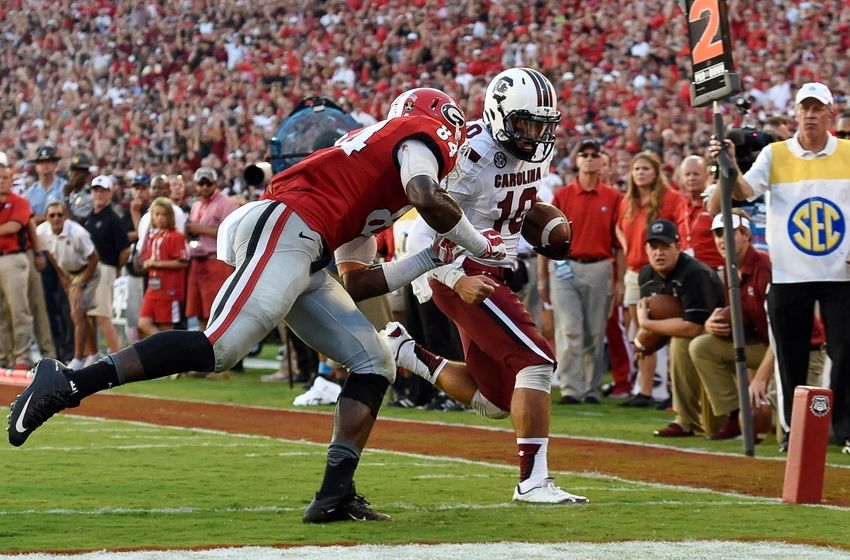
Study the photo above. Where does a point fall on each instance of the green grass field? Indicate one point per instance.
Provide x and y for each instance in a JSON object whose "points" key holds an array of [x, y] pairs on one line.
{"points": [[93, 484], [607, 420]]}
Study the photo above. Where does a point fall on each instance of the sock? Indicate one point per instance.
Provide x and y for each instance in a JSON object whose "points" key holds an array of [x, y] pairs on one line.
{"points": [[339, 471], [96, 377], [734, 414], [169, 352], [421, 362], [533, 467]]}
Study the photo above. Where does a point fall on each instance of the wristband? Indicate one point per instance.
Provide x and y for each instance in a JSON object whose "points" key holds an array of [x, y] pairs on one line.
{"points": [[447, 275]]}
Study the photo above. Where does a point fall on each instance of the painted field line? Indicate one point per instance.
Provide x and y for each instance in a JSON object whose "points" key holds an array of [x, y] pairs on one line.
{"points": [[404, 506], [695, 450], [661, 550], [430, 459]]}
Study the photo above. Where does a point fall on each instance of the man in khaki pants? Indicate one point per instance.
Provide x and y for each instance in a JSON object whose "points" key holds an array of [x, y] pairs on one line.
{"points": [[673, 272], [15, 213], [712, 352], [72, 251]]}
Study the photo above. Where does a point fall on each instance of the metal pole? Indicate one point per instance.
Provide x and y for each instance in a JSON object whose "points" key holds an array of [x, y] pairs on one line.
{"points": [[728, 176]]}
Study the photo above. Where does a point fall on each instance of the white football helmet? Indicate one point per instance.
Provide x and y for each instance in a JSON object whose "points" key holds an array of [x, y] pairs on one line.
{"points": [[520, 110]]}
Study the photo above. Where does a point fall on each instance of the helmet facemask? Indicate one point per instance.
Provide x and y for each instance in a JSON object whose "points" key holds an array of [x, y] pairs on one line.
{"points": [[529, 137]]}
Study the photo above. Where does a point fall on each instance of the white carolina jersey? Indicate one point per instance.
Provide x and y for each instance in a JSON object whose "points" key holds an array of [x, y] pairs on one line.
{"points": [[495, 189]]}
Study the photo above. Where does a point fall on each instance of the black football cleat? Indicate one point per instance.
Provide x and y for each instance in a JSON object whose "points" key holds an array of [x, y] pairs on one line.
{"points": [[350, 507], [48, 393]]}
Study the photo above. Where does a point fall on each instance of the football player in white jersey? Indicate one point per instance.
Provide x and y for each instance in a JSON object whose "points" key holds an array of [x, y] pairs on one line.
{"points": [[509, 365]]}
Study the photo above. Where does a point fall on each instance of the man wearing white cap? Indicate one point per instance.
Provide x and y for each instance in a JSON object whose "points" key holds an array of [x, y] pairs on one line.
{"points": [[207, 273], [808, 209], [712, 352], [113, 247]]}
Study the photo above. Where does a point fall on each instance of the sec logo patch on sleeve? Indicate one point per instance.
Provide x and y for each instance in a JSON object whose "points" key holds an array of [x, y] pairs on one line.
{"points": [[816, 226]]}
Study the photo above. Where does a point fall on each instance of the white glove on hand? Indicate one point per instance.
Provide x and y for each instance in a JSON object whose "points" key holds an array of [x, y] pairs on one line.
{"points": [[496, 249]]}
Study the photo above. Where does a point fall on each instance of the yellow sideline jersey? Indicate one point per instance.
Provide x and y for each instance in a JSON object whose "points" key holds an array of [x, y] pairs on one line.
{"points": [[808, 206]]}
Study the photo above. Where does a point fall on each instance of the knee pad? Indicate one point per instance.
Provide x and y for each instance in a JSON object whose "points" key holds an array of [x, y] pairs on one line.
{"points": [[535, 377], [481, 405], [366, 388]]}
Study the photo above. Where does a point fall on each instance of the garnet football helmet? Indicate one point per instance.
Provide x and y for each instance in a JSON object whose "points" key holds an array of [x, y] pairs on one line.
{"points": [[432, 103], [520, 110]]}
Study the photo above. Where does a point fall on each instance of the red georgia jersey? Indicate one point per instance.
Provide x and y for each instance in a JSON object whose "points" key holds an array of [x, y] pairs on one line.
{"points": [[354, 188]]}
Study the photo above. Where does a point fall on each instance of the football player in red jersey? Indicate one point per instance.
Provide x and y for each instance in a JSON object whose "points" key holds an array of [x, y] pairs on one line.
{"points": [[334, 200]]}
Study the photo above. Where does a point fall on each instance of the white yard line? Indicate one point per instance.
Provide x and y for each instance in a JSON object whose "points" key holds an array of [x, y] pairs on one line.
{"points": [[427, 460], [695, 550], [708, 550], [694, 450]]}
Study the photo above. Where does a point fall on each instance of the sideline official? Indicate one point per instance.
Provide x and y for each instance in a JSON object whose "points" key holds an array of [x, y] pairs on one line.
{"points": [[808, 178]]}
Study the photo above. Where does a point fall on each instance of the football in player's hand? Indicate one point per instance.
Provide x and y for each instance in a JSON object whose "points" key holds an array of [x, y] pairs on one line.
{"points": [[547, 230], [661, 306]]}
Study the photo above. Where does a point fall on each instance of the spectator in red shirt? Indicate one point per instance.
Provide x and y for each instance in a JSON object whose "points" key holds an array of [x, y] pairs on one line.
{"points": [[15, 213], [166, 261], [693, 176], [582, 287]]}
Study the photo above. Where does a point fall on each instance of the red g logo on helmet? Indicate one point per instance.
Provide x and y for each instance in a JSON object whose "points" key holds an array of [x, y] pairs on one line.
{"points": [[430, 102]]}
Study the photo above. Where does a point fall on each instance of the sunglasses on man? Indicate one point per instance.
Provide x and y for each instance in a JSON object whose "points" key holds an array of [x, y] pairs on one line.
{"points": [[591, 155]]}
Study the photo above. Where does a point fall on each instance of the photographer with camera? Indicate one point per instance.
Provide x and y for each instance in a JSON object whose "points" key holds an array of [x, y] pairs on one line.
{"points": [[808, 177]]}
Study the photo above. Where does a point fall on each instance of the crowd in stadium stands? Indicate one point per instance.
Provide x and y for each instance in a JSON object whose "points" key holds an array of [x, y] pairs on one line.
{"points": [[159, 86], [161, 89]]}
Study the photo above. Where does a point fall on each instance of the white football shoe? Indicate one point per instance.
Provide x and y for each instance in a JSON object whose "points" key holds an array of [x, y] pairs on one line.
{"points": [[396, 336], [548, 493], [322, 392], [403, 349]]}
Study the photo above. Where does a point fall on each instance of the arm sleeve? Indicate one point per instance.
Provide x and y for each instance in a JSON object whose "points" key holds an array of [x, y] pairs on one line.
{"points": [[359, 250], [646, 287], [177, 247], [21, 212], [758, 176], [144, 226], [119, 235], [420, 236], [86, 243], [700, 297], [414, 159], [179, 218]]}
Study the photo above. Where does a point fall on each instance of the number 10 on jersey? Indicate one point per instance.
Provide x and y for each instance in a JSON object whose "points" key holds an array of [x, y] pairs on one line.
{"points": [[714, 76]]}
